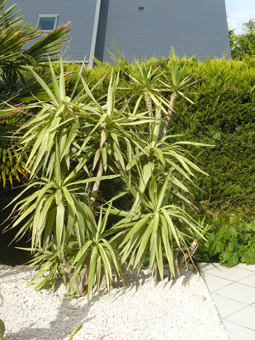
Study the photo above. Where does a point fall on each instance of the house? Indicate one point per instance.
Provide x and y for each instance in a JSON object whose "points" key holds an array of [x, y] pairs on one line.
{"points": [[138, 27]]}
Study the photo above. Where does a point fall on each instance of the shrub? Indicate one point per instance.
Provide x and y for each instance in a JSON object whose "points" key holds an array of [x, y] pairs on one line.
{"points": [[230, 240]]}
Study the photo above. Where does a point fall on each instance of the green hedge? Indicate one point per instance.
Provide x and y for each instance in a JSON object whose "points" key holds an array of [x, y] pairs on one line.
{"points": [[223, 114]]}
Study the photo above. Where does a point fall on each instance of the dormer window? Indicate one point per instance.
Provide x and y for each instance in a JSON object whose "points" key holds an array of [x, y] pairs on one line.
{"points": [[47, 22]]}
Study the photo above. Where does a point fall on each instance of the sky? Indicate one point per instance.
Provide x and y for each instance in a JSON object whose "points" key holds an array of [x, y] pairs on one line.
{"points": [[239, 12]]}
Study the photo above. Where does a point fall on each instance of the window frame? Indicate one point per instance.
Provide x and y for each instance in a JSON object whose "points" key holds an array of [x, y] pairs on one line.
{"points": [[39, 16]]}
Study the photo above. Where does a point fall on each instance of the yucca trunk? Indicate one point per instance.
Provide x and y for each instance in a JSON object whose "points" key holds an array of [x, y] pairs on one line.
{"points": [[188, 254], [97, 183], [168, 117], [148, 104]]}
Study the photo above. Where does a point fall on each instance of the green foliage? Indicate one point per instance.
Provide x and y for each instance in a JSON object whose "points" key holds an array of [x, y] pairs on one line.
{"points": [[223, 115], [243, 45], [229, 242]]}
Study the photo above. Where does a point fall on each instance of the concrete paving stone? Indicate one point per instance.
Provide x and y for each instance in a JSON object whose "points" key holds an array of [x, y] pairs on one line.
{"points": [[249, 281], [233, 291], [227, 306], [238, 292], [244, 317], [234, 274], [237, 332], [250, 267], [214, 283]]}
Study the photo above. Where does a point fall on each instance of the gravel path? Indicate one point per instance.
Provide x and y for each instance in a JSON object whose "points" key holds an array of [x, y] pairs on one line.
{"points": [[181, 309]]}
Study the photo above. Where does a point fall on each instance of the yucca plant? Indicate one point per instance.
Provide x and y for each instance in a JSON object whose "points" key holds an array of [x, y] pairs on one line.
{"points": [[74, 143], [158, 222], [66, 138]]}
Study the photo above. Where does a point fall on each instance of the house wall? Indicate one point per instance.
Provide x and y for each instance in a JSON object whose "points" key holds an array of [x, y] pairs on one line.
{"points": [[191, 27], [81, 13]]}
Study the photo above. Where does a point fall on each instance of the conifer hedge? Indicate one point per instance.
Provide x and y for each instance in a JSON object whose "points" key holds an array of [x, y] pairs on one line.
{"points": [[223, 114]]}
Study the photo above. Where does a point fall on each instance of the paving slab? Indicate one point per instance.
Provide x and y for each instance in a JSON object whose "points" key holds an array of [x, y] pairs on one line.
{"points": [[238, 292], [234, 274], [227, 306], [215, 283], [244, 317], [237, 332], [233, 291], [249, 281], [250, 267]]}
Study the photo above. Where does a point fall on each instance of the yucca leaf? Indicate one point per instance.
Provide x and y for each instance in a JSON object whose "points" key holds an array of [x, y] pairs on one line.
{"points": [[58, 196], [114, 257], [69, 199], [171, 226], [92, 267], [44, 86], [54, 79], [159, 252], [166, 240], [143, 244], [92, 179], [60, 227], [147, 171], [153, 192], [40, 273], [62, 82], [49, 225]]}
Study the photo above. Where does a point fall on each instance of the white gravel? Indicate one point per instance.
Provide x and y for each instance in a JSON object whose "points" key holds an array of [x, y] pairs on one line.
{"points": [[177, 310]]}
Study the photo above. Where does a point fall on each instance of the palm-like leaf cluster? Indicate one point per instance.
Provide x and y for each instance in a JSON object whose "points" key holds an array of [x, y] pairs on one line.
{"points": [[75, 142], [16, 81]]}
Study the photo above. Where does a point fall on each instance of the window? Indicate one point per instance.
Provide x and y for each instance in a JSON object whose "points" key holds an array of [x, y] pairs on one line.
{"points": [[47, 22]]}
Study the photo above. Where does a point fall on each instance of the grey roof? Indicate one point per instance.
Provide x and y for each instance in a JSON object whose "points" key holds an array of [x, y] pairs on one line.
{"points": [[191, 27]]}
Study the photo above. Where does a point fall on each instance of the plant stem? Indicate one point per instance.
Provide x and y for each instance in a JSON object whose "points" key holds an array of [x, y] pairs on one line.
{"points": [[148, 104], [97, 183], [168, 117], [189, 254]]}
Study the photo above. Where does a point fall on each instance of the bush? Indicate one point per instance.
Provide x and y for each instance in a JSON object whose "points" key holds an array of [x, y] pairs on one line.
{"points": [[230, 241]]}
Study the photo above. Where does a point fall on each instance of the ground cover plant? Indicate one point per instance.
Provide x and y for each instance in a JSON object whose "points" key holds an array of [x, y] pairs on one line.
{"points": [[229, 240]]}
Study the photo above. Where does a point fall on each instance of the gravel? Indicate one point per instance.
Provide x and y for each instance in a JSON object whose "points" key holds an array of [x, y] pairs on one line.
{"points": [[180, 309]]}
